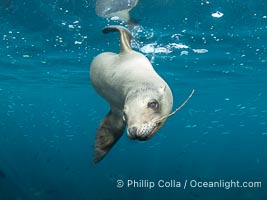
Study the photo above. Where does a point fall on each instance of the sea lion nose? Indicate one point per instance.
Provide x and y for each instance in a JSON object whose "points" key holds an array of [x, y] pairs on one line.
{"points": [[132, 131]]}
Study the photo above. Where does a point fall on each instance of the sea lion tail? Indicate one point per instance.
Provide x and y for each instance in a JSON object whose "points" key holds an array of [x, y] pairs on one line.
{"points": [[125, 37]]}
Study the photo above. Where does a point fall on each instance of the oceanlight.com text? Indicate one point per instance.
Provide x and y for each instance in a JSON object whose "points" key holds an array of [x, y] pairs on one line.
{"points": [[225, 184], [161, 183]]}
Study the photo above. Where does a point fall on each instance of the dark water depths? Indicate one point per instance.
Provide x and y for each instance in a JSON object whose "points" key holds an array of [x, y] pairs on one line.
{"points": [[49, 111]]}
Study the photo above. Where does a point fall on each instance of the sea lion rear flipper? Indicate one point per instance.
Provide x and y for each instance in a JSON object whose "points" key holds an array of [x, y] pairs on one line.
{"points": [[125, 37], [109, 131]]}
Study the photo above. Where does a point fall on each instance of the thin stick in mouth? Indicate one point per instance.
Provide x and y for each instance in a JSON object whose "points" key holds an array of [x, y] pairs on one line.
{"points": [[177, 109]]}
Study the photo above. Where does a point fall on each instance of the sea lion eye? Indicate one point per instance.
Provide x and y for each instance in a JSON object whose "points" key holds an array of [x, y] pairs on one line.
{"points": [[124, 117], [153, 104]]}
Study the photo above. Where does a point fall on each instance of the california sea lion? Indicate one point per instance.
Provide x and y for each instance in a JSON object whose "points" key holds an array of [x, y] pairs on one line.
{"points": [[138, 96]]}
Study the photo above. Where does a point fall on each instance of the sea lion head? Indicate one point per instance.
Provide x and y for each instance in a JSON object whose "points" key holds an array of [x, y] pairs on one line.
{"points": [[144, 111]]}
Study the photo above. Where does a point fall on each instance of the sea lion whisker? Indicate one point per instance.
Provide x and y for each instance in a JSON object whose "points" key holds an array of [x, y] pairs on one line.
{"points": [[176, 110]]}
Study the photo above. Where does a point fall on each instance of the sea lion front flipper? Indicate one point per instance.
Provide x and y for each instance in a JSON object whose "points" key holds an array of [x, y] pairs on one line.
{"points": [[109, 131]]}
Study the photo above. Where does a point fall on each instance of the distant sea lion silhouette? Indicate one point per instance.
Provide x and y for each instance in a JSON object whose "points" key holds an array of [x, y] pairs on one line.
{"points": [[2, 174], [116, 8], [138, 96]]}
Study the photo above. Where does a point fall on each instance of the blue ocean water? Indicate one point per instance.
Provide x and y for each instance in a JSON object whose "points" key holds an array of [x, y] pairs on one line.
{"points": [[49, 111]]}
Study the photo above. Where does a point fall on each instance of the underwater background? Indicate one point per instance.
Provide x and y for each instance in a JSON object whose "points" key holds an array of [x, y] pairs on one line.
{"points": [[49, 111]]}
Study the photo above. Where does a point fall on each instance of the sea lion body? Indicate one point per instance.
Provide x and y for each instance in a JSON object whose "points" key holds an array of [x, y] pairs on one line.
{"points": [[137, 95], [122, 75]]}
